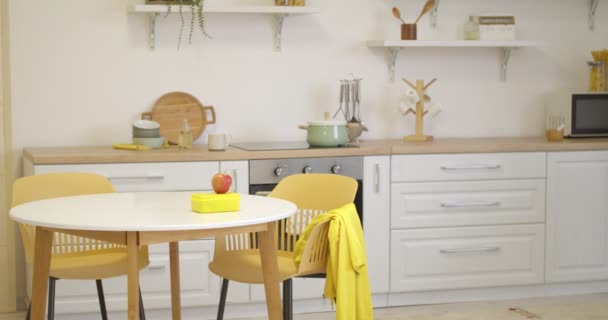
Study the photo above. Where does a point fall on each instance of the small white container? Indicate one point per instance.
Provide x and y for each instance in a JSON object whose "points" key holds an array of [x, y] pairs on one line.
{"points": [[497, 32]]}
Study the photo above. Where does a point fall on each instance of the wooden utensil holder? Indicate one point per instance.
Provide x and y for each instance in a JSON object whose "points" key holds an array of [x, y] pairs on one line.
{"points": [[290, 2], [554, 135], [409, 31]]}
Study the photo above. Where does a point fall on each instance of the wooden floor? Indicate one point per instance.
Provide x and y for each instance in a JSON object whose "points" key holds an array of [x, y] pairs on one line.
{"points": [[588, 307]]}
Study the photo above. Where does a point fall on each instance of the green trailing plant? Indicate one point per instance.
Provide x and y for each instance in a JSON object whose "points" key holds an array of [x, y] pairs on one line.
{"points": [[198, 17]]}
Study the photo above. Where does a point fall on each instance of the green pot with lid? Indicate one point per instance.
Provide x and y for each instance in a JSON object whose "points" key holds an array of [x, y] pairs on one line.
{"points": [[326, 133]]}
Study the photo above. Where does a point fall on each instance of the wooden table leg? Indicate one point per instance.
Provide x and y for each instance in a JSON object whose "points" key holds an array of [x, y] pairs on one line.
{"points": [[133, 275], [42, 267], [176, 305], [270, 271]]}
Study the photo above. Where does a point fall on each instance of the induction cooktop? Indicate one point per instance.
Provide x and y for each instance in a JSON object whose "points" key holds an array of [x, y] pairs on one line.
{"points": [[284, 145]]}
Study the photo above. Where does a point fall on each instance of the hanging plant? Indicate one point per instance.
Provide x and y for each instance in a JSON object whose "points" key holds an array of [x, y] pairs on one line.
{"points": [[198, 16]]}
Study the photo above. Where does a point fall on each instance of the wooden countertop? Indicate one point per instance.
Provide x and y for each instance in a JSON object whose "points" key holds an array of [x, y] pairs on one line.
{"points": [[106, 154]]}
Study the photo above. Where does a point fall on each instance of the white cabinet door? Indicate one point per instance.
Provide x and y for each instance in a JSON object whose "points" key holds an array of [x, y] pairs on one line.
{"points": [[577, 216], [376, 219], [466, 257]]}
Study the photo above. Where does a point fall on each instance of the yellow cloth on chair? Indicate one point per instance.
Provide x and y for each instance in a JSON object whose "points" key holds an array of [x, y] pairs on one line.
{"points": [[347, 280]]}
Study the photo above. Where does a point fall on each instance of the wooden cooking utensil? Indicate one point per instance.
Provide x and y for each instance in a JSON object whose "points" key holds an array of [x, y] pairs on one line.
{"points": [[430, 4], [171, 109], [397, 14]]}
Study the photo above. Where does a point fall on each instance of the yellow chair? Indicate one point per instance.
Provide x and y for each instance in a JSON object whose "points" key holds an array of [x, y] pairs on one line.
{"points": [[237, 257], [73, 257]]}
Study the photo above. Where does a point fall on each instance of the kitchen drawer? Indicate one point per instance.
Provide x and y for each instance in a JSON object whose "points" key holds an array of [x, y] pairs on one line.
{"points": [[483, 166], [455, 203], [451, 258], [198, 285], [162, 176]]}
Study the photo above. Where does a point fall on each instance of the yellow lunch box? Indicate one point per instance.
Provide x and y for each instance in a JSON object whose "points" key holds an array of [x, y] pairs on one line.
{"points": [[213, 202]]}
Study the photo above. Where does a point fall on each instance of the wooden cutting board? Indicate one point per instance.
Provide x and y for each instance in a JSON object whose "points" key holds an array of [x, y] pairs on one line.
{"points": [[171, 109]]}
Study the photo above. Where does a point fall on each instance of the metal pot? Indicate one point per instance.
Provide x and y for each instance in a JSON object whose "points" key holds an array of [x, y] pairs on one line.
{"points": [[326, 133]]}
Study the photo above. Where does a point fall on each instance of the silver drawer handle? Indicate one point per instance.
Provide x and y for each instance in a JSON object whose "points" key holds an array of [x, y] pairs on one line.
{"points": [[263, 193], [470, 250], [470, 204], [377, 178], [235, 175], [472, 167], [157, 267], [137, 178]]}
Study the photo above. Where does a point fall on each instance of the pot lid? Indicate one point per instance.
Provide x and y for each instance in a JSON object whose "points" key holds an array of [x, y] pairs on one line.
{"points": [[327, 123]]}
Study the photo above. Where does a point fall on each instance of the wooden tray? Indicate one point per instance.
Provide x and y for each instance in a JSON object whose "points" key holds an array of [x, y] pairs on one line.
{"points": [[171, 109]]}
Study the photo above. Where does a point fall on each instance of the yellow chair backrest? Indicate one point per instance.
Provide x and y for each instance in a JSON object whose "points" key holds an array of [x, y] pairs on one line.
{"points": [[54, 185], [313, 194]]}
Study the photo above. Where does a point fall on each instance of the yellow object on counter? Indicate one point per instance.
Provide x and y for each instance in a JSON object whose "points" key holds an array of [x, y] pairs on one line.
{"points": [[213, 202], [126, 146]]}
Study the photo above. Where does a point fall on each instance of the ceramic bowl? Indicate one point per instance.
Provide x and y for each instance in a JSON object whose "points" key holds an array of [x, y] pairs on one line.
{"points": [[146, 133], [146, 129], [146, 124], [150, 142]]}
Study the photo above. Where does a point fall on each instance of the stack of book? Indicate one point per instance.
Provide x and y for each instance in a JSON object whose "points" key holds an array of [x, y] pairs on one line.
{"points": [[495, 28]]}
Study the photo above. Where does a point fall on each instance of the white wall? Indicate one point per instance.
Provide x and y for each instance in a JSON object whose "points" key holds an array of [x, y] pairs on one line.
{"points": [[82, 71]]}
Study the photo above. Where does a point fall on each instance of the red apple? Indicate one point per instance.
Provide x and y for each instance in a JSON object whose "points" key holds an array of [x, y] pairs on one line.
{"points": [[221, 182]]}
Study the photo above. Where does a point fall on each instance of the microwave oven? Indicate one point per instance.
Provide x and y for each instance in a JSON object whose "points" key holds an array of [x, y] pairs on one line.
{"points": [[582, 114]]}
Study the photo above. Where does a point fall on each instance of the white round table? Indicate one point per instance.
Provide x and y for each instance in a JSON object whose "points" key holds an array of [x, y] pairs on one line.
{"points": [[137, 219]]}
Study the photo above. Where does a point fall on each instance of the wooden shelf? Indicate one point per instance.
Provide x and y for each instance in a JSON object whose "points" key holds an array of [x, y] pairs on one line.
{"points": [[394, 46], [278, 12]]}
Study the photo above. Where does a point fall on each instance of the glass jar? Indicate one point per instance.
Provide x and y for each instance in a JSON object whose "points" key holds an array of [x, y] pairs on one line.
{"points": [[471, 30], [596, 76], [289, 2]]}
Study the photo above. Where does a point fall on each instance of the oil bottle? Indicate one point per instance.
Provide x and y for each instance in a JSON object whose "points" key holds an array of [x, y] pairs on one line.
{"points": [[184, 140]]}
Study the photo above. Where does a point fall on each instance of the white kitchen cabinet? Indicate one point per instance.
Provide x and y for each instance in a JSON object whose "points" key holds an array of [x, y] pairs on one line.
{"points": [[466, 203], [466, 257], [577, 216], [461, 221], [376, 220], [199, 286]]}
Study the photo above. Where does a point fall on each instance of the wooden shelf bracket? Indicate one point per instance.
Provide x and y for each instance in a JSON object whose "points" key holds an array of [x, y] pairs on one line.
{"points": [[279, 18], [152, 31], [505, 63], [434, 14], [592, 11], [393, 53]]}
